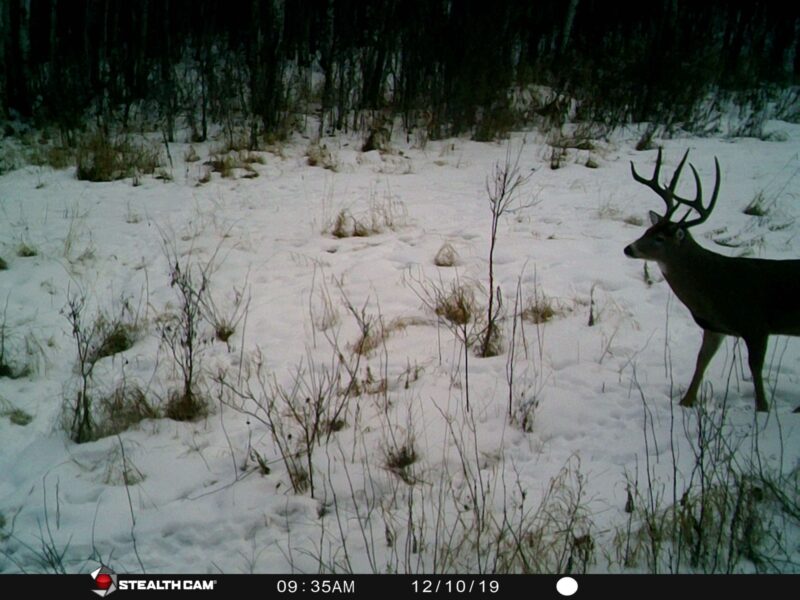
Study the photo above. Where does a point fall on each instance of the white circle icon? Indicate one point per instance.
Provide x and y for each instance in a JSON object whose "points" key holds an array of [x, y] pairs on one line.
{"points": [[566, 586]]}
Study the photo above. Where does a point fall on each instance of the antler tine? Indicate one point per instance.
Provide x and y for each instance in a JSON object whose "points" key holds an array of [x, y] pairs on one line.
{"points": [[641, 179], [665, 193], [697, 203], [677, 174]]}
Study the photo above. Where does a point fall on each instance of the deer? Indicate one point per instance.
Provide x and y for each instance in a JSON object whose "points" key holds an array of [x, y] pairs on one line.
{"points": [[749, 298]]}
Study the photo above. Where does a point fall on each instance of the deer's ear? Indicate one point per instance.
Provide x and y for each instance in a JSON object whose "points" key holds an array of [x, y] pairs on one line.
{"points": [[680, 234], [654, 217]]}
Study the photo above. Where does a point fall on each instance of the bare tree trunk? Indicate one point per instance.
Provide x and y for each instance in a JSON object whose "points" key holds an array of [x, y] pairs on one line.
{"points": [[18, 62], [4, 18], [569, 19], [326, 62]]}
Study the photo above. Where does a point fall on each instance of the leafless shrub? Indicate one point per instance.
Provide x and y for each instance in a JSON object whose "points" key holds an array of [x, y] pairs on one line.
{"points": [[225, 323], [81, 422], [319, 155], [25, 250], [457, 306], [446, 256], [458, 310], [344, 225], [120, 470], [17, 352], [15, 415], [634, 220], [205, 176], [556, 536], [524, 363], [226, 163], [300, 416], [381, 215], [191, 155], [52, 155], [181, 334], [116, 334], [124, 407], [503, 187], [540, 308], [103, 158], [758, 206], [399, 459], [558, 154], [89, 414], [732, 511], [379, 137]]}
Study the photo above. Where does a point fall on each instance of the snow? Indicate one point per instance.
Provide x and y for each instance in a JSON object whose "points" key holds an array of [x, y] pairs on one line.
{"points": [[607, 395]]}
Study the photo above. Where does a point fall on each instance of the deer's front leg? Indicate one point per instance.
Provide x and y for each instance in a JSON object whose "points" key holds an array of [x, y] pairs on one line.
{"points": [[709, 347]]}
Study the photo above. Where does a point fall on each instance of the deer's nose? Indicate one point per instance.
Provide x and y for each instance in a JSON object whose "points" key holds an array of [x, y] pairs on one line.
{"points": [[629, 251]]}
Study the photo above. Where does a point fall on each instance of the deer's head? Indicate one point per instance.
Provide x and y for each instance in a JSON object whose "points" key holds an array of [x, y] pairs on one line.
{"points": [[666, 239]]}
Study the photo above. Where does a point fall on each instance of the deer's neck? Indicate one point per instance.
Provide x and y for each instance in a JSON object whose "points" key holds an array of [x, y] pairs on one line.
{"points": [[689, 270]]}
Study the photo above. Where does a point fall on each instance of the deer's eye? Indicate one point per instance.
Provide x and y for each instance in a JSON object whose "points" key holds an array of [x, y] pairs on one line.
{"points": [[661, 238]]}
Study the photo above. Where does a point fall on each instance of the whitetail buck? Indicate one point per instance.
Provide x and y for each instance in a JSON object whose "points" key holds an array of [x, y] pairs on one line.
{"points": [[746, 297]]}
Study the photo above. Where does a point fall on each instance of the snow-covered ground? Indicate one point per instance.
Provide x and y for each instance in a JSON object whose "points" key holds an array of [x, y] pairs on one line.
{"points": [[603, 420]]}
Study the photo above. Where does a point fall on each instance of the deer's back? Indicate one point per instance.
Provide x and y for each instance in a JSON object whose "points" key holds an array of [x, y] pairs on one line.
{"points": [[741, 296]]}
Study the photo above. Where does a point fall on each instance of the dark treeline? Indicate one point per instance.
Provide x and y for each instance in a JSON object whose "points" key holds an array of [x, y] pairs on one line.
{"points": [[446, 65]]}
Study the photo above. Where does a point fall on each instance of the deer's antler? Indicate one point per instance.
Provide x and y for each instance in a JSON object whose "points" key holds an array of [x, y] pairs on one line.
{"points": [[697, 203], [672, 200]]}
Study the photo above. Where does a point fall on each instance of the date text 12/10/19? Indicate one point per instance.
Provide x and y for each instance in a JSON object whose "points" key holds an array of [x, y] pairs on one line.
{"points": [[455, 586]]}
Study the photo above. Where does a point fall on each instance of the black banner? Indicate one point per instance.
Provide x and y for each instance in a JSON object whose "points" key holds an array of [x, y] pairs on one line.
{"points": [[107, 583]]}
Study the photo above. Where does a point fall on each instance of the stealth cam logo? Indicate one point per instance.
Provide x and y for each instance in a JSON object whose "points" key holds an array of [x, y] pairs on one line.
{"points": [[105, 581]]}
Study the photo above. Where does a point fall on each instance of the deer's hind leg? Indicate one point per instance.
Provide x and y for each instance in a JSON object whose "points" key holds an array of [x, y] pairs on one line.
{"points": [[709, 347], [756, 350]]}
